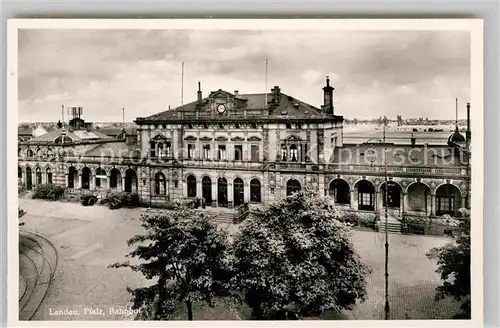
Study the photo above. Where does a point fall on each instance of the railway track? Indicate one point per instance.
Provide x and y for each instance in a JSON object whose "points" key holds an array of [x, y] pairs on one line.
{"points": [[37, 266]]}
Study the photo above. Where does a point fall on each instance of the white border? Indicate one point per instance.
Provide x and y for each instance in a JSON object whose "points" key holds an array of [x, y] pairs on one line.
{"points": [[475, 26]]}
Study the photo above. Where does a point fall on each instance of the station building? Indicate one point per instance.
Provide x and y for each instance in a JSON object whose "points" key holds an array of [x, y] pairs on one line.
{"points": [[232, 148]]}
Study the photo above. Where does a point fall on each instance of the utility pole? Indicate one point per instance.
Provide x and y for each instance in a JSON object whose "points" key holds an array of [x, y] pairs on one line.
{"points": [[386, 308]]}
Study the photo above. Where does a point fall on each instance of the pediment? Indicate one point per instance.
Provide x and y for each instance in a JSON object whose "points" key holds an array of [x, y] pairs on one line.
{"points": [[254, 138], [220, 94], [206, 139], [237, 139], [294, 137], [159, 136], [221, 138], [190, 138]]}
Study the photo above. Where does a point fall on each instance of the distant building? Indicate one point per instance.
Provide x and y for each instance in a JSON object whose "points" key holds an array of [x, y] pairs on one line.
{"points": [[233, 149]]}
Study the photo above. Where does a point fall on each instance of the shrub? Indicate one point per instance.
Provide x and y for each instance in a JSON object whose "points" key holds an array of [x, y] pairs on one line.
{"points": [[117, 199], [367, 220], [48, 191], [350, 217], [88, 200]]}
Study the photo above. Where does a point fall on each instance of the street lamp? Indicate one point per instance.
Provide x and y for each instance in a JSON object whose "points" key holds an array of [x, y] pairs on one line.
{"points": [[386, 307]]}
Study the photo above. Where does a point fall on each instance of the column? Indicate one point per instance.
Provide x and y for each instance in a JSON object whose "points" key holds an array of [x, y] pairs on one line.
{"points": [[378, 201], [246, 188], [353, 201], [230, 193], [66, 180], [79, 181], [123, 183], [404, 199], [432, 205], [108, 182], [199, 189], [214, 193]]}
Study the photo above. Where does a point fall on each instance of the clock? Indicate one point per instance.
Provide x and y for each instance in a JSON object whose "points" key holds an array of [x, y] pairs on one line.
{"points": [[221, 108]]}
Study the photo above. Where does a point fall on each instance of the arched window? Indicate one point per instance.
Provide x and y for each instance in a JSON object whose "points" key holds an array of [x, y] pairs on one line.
{"points": [[19, 172], [222, 192], [100, 177], [38, 172], [255, 193], [238, 192], [207, 189], [292, 186], [339, 190], [160, 150], [160, 184], [366, 195], [130, 181], [393, 194], [114, 178], [48, 172], [38, 152], [49, 153], [283, 153], [86, 174], [29, 177], [448, 200], [191, 186], [294, 153], [72, 176], [29, 153]]}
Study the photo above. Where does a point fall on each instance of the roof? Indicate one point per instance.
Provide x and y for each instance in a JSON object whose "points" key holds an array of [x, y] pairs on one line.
{"points": [[111, 149], [76, 135], [114, 132], [254, 104], [397, 155], [456, 137], [24, 130]]}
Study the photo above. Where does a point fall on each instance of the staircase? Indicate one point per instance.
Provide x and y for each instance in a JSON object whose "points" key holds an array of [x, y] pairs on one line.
{"points": [[220, 214], [393, 224]]}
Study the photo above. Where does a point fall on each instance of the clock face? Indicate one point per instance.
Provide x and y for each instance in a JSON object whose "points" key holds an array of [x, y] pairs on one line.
{"points": [[221, 108]]}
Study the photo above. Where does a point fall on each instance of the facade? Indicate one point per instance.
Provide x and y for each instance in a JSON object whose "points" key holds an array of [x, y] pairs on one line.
{"points": [[233, 149]]}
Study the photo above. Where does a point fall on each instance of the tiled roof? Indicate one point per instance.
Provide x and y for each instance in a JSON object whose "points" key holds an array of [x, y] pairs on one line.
{"points": [[288, 107], [113, 132], [111, 149], [77, 135]]}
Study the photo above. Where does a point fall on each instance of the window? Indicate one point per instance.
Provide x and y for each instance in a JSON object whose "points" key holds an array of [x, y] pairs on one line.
{"points": [[49, 175], [191, 151], [222, 152], [191, 186], [100, 174], [255, 195], [29, 153], [238, 152], [283, 153], [255, 155], [306, 155], [38, 176], [288, 126], [152, 146], [160, 184], [206, 151], [168, 149], [294, 153], [160, 150]]}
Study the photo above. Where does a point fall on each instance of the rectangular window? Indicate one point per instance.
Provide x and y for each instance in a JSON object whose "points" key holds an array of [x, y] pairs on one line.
{"points": [[238, 152], [283, 153], [98, 182], [306, 155], [206, 151], [255, 155], [222, 152], [49, 178], [152, 146], [168, 149], [191, 151]]}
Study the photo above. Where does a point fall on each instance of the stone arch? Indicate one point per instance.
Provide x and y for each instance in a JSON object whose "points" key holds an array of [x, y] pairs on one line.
{"points": [[293, 186], [206, 186], [448, 199], [340, 190], [191, 185], [418, 197], [395, 191], [255, 190], [365, 192], [238, 191], [72, 173], [131, 180], [115, 178]]}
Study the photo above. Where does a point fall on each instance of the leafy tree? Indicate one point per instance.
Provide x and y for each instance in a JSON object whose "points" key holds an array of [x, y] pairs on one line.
{"points": [[187, 255], [294, 258], [453, 262]]}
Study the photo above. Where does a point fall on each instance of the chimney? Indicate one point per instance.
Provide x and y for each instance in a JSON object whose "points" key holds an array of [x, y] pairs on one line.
{"points": [[276, 94], [467, 133], [199, 92], [328, 97], [413, 141], [236, 92]]}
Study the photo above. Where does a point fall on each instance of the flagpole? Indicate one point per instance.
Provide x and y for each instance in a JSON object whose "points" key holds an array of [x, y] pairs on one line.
{"points": [[265, 94]]}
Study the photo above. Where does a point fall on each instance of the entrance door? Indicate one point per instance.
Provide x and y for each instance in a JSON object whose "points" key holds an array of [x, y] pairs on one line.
{"points": [[239, 193], [222, 192], [29, 182], [207, 190]]}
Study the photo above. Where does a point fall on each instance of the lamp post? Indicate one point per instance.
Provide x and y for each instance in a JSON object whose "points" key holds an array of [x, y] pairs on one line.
{"points": [[386, 264]]}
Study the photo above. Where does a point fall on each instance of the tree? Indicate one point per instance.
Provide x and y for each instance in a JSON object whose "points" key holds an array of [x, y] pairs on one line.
{"points": [[295, 258], [187, 254], [453, 262]]}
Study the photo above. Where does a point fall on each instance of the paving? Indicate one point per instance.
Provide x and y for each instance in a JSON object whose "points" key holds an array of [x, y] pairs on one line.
{"points": [[89, 239]]}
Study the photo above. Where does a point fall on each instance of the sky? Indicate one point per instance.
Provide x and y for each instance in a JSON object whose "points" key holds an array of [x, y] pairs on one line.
{"points": [[375, 73]]}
